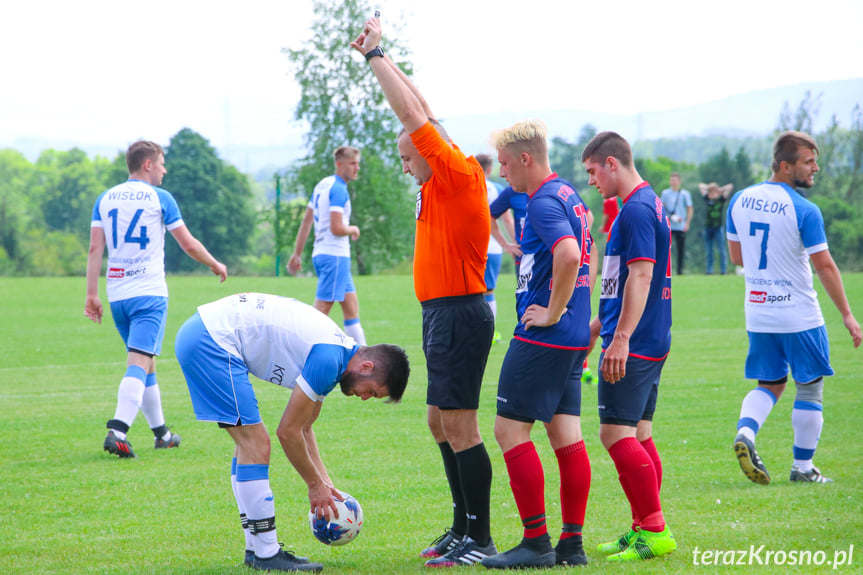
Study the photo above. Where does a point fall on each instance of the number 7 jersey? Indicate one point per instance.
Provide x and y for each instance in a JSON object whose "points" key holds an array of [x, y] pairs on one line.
{"points": [[777, 229], [134, 216]]}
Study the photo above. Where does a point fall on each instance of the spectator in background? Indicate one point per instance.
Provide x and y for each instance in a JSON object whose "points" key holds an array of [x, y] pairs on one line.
{"points": [[714, 197], [678, 204]]}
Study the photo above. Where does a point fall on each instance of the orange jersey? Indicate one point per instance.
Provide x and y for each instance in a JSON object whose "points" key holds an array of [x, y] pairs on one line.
{"points": [[453, 221]]}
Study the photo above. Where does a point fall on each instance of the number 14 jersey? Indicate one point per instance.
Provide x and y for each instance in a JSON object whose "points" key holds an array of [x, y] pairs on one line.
{"points": [[134, 216]]}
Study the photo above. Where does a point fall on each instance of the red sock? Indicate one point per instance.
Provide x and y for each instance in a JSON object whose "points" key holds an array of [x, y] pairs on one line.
{"points": [[527, 480], [584, 365], [574, 487], [650, 448], [638, 478]]}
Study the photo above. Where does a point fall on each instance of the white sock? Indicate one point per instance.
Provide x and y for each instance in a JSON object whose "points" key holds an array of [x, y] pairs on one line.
{"points": [[807, 423], [492, 303], [355, 330], [151, 405], [250, 539], [754, 411], [129, 397], [256, 498]]}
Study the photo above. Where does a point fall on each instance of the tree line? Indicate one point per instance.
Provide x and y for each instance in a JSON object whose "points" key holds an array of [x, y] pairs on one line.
{"points": [[46, 205]]}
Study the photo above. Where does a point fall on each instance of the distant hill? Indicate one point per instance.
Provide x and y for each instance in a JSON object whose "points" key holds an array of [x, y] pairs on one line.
{"points": [[752, 114]]}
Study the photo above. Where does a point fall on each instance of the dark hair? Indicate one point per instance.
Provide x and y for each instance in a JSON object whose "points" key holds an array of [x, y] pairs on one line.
{"points": [[485, 161], [787, 147], [392, 361], [606, 144], [140, 152]]}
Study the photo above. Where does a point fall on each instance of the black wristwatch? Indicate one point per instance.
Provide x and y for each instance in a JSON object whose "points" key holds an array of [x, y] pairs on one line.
{"points": [[376, 51]]}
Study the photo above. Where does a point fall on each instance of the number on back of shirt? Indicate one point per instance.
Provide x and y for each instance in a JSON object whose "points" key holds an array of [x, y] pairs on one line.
{"points": [[754, 228], [132, 235]]}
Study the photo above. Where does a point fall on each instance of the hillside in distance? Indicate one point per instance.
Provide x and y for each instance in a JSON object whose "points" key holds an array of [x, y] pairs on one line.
{"points": [[754, 113]]}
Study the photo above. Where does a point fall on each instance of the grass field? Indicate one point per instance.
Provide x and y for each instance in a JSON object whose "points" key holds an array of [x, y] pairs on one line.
{"points": [[68, 507]]}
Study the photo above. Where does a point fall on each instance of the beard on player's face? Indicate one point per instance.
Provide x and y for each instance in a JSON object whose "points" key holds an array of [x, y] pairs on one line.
{"points": [[807, 183]]}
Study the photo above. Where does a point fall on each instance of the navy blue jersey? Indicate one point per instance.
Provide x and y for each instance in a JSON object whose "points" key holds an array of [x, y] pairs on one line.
{"points": [[641, 231], [509, 199], [554, 212]]}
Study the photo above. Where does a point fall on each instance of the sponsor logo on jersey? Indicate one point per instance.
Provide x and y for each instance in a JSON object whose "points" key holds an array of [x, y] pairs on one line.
{"points": [[137, 272], [277, 375], [758, 296], [763, 297], [419, 203], [525, 273], [116, 273], [610, 277]]}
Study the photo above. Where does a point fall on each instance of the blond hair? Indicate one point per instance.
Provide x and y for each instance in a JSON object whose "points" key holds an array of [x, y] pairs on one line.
{"points": [[527, 136], [344, 153]]}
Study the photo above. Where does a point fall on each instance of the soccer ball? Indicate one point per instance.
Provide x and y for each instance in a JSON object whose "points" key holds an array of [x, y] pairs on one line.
{"points": [[341, 530]]}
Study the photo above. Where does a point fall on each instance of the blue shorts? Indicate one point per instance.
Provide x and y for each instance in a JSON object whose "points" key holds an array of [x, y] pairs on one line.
{"points": [[141, 322], [770, 354], [218, 381], [632, 398], [492, 270], [334, 277], [538, 382]]}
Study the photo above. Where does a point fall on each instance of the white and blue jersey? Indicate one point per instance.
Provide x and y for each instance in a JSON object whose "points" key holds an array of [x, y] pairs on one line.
{"points": [[554, 212], [134, 216], [330, 195], [281, 340], [640, 232], [777, 229], [509, 199], [494, 248]]}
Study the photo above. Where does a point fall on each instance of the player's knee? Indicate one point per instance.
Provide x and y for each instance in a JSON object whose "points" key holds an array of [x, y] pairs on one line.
{"points": [[812, 392]]}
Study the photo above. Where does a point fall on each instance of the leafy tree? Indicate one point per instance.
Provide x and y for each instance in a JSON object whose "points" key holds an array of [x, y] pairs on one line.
{"points": [[15, 212], [803, 118], [838, 187], [343, 105], [565, 159], [66, 184], [214, 198], [723, 169], [113, 173]]}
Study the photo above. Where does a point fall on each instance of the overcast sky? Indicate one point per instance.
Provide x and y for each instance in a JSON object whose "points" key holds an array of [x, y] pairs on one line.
{"points": [[112, 71]]}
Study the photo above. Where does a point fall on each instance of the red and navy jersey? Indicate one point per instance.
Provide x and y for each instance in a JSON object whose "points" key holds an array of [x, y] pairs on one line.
{"points": [[641, 232], [554, 212]]}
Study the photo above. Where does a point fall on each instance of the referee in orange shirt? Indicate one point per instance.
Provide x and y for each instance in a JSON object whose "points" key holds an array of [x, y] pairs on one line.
{"points": [[453, 227]]}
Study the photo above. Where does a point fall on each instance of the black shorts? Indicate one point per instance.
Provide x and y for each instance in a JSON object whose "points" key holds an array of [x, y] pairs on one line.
{"points": [[538, 382], [632, 398], [457, 336]]}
